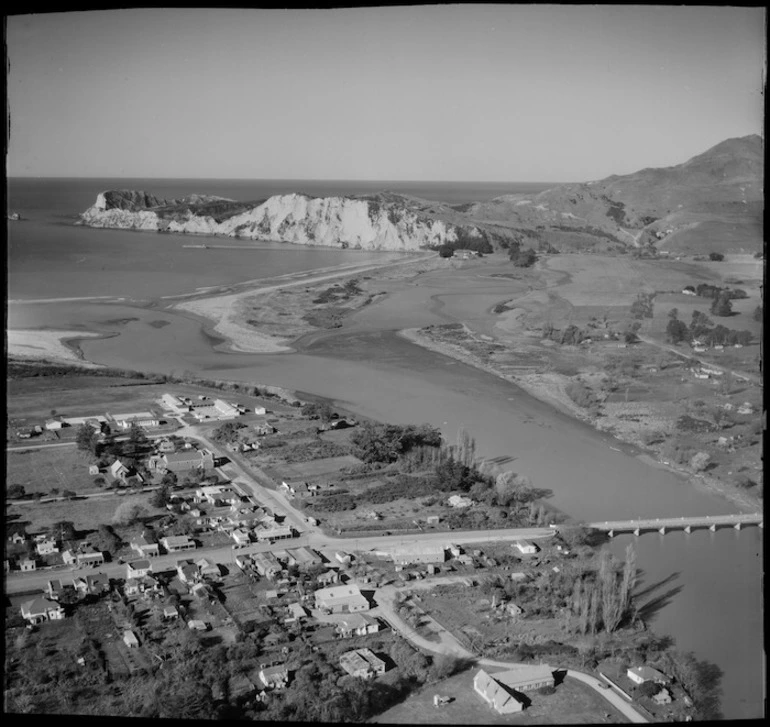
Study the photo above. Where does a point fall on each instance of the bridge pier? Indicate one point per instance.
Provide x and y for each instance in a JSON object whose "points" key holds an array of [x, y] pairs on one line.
{"points": [[611, 533], [687, 529], [637, 532], [662, 531], [737, 526], [761, 525], [713, 528]]}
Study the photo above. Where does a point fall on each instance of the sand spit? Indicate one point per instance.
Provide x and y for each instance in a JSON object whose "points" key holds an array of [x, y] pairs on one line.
{"points": [[57, 346]]}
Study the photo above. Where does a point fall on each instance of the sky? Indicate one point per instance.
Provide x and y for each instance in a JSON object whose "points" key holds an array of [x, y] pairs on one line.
{"points": [[536, 93]]}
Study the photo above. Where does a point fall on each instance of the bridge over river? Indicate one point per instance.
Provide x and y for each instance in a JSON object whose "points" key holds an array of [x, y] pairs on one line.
{"points": [[712, 522]]}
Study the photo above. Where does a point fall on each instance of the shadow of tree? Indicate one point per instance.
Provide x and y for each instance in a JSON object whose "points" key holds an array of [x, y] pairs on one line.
{"points": [[658, 598]]}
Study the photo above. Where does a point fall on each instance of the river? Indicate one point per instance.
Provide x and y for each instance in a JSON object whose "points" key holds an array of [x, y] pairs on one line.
{"points": [[366, 367]]}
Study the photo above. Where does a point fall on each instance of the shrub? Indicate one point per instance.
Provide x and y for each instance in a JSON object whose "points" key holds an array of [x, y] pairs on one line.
{"points": [[716, 256]]}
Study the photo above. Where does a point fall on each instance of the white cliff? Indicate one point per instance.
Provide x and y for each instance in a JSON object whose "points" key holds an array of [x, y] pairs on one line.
{"points": [[366, 224]]}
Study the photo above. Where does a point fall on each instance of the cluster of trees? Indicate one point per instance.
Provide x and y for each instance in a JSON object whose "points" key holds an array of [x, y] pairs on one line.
{"points": [[387, 442], [521, 258], [338, 293], [228, 432], [603, 600], [642, 307], [581, 394], [318, 410], [702, 328], [466, 241], [706, 290]]}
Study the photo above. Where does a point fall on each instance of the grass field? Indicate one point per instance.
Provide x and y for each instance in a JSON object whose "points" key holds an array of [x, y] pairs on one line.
{"points": [[45, 469], [572, 703], [85, 514], [319, 467]]}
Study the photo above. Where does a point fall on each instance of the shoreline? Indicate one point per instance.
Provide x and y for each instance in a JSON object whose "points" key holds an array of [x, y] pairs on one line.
{"points": [[50, 344], [548, 392]]}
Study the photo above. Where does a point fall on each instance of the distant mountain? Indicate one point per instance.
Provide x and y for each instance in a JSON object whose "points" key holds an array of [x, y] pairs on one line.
{"points": [[713, 202], [718, 192]]}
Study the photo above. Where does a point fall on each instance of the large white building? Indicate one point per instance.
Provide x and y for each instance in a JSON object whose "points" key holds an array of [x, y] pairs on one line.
{"points": [[341, 599]]}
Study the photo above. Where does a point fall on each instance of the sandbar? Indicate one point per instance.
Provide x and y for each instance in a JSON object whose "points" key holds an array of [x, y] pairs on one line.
{"points": [[50, 345]]}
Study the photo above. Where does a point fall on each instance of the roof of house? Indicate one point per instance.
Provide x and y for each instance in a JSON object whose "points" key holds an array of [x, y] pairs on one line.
{"points": [[38, 607], [524, 675], [647, 673], [191, 455], [172, 540], [494, 691], [338, 593], [278, 671]]}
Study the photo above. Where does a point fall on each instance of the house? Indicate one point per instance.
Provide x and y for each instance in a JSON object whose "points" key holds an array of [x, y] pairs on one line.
{"points": [[118, 470], [688, 291], [528, 678], [241, 536], [267, 565], [208, 567], [296, 612], [47, 546], [93, 469], [274, 677], [187, 571], [18, 538], [419, 553], [27, 564], [745, 409], [187, 460], [662, 697], [175, 543], [41, 609], [68, 557], [275, 532], [465, 254], [362, 663], [500, 698], [460, 501], [170, 612], [304, 556], [55, 423], [525, 547], [138, 419], [331, 576], [197, 625], [455, 551], [357, 624], [54, 589], [138, 569], [433, 519], [202, 591], [90, 557], [513, 610], [341, 599], [166, 446], [130, 640], [92, 585], [146, 545], [642, 674]]}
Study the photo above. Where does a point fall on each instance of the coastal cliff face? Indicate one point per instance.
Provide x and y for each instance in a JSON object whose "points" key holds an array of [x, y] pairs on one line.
{"points": [[713, 202], [381, 222]]}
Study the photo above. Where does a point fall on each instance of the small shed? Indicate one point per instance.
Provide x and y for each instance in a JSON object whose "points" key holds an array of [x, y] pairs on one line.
{"points": [[129, 639]]}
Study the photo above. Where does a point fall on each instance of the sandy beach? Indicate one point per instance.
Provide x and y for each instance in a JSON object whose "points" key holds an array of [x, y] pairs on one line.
{"points": [[48, 345]]}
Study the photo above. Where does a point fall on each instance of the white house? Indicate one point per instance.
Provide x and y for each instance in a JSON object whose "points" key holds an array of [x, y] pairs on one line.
{"points": [[525, 547], [501, 699], [642, 674], [460, 501]]}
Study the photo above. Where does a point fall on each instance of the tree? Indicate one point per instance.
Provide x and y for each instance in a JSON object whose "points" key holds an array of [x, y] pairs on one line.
{"points": [[63, 530], [700, 461], [716, 256], [128, 513], [446, 250], [648, 689], [676, 331], [86, 439], [722, 305], [522, 258], [160, 497], [15, 492], [757, 315], [673, 313], [106, 539]]}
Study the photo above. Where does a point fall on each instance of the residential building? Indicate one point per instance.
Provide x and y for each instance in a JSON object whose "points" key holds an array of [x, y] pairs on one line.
{"points": [[54, 589], [341, 599], [170, 612], [357, 624], [267, 565], [93, 585], [176, 543], [642, 674], [187, 571], [497, 695], [460, 501], [528, 678], [240, 536], [189, 459], [513, 610], [118, 470], [146, 545], [525, 547], [41, 609], [274, 677], [296, 612], [419, 553], [276, 532], [28, 564], [130, 640], [362, 663], [208, 568], [55, 423], [331, 576], [138, 568], [90, 557], [47, 546], [197, 625], [662, 697], [304, 556]]}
